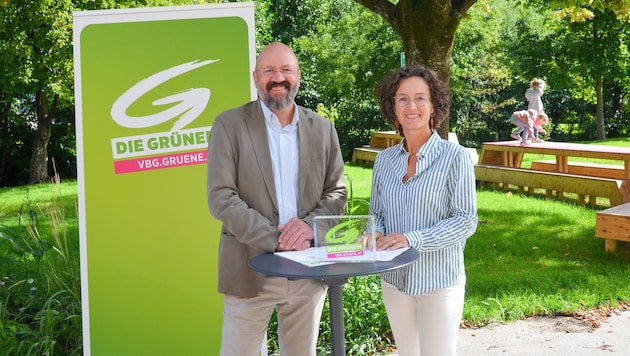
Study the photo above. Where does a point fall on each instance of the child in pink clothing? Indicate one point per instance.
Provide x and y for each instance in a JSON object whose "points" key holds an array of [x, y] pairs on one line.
{"points": [[529, 123], [541, 120]]}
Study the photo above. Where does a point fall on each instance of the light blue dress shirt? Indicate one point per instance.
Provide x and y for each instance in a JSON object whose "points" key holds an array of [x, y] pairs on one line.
{"points": [[436, 210], [284, 150]]}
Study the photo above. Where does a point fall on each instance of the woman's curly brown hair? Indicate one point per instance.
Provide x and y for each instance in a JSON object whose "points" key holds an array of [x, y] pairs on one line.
{"points": [[439, 92]]}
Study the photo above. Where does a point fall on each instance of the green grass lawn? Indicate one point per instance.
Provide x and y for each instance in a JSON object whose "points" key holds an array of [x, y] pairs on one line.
{"points": [[529, 256]]}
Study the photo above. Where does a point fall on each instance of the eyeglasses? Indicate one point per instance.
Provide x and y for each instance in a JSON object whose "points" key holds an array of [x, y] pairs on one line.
{"points": [[404, 100], [269, 72]]}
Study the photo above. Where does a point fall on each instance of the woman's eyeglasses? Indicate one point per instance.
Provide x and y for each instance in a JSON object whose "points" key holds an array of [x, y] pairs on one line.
{"points": [[404, 100]]}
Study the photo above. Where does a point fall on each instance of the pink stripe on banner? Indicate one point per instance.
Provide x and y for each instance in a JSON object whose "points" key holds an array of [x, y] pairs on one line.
{"points": [[161, 162]]}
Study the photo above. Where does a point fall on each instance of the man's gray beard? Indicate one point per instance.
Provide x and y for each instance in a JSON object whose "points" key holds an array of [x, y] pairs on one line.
{"points": [[274, 104]]}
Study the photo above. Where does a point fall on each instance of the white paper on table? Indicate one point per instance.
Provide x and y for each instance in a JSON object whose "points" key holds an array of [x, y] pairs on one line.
{"points": [[311, 257], [306, 257]]}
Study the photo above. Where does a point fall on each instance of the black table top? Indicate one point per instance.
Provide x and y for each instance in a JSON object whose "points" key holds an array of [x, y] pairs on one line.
{"points": [[273, 265]]}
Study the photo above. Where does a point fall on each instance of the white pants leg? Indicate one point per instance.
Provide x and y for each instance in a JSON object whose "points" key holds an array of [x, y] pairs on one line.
{"points": [[427, 324]]}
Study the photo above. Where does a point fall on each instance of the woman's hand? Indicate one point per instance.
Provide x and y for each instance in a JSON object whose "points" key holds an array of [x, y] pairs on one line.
{"points": [[368, 242], [391, 242]]}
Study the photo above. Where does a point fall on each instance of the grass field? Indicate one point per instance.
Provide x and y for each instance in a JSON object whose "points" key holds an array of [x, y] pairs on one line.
{"points": [[529, 256]]}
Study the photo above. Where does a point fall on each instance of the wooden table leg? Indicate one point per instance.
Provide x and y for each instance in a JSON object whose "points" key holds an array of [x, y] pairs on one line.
{"points": [[611, 245], [562, 166]]}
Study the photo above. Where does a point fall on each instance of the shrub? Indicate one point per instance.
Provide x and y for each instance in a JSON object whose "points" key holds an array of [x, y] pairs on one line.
{"points": [[40, 305]]}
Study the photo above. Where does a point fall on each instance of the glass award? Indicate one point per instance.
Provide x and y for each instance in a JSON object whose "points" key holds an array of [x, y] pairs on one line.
{"points": [[344, 237]]}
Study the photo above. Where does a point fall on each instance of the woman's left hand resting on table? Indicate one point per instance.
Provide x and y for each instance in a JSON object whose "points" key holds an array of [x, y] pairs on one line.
{"points": [[389, 242]]}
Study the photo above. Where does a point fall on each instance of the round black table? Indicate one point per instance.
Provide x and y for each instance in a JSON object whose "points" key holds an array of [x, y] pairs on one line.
{"points": [[334, 276]]}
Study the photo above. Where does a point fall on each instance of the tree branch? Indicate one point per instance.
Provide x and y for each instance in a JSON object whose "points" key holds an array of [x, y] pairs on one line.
{"points": [[381, 7]]}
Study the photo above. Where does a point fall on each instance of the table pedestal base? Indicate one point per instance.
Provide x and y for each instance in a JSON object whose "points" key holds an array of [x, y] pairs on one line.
{"points": [[337, 329]]}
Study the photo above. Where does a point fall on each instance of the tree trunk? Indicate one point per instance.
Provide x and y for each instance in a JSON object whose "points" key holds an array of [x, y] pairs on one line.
{"points": [[427, 29], [4, 138], [599, 90], [431, 48], [39, 149]]}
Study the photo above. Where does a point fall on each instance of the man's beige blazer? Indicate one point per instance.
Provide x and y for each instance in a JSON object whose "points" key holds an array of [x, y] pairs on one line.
{"points": [[242, 195]]}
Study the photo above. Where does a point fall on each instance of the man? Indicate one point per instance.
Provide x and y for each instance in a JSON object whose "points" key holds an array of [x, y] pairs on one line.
{"points": [[272, 167]]}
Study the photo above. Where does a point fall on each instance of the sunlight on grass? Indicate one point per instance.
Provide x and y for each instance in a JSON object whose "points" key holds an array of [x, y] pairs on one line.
{"points": [[40, 289], [529, 256], [532, 256]]}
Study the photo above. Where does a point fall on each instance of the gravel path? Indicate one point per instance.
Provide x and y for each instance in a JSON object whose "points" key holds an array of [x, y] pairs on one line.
{"points": [[560, 335], [601, 331]]}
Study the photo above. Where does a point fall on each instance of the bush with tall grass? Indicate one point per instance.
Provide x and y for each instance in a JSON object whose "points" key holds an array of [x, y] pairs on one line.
{"points": [[40, 288]]}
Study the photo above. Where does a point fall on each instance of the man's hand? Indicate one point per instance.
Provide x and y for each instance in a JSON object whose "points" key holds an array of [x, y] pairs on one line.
{"points": [[295, 235]]}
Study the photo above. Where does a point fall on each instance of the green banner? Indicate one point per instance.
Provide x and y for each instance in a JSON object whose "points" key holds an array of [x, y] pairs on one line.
{"points": [[148, 84]]}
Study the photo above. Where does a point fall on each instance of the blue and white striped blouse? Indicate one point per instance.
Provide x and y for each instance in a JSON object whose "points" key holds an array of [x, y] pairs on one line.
{"points": [[436, 210]]}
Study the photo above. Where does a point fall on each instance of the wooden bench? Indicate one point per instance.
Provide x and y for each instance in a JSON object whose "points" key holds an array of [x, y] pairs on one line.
{"points": [[583, 168], [384, 139], [378, 141], [616, 190], [365, 155], [613, 224]]}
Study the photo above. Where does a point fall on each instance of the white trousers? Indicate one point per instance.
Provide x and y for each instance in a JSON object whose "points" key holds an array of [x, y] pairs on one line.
{"points": [[426, 324], [299, 305]]}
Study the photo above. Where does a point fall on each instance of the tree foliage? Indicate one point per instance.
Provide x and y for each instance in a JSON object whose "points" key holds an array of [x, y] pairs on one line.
{"points": [[343, 50], [36, 82], [593, 51], [488, 50], [428, 27], [341, 67], [38, 70]]}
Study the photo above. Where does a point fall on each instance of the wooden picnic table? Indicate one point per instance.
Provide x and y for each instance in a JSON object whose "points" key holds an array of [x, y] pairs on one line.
{"points": [[500, 163], [510, 153]]}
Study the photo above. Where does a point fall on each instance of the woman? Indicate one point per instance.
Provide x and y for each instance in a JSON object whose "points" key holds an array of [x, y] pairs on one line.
{"points": [[423, 196]]}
